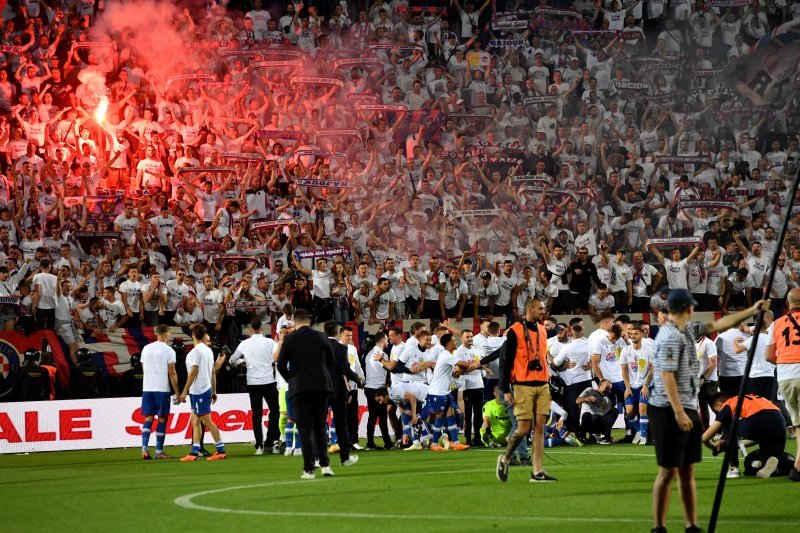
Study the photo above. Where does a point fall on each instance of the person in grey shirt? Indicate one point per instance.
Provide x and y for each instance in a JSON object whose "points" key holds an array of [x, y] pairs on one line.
{"points": [[674, 419]]}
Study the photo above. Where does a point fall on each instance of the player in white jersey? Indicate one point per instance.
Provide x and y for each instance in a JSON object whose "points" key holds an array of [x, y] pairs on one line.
{"points": [[606, 347], [440, 404], [201, 387], [636, 363], [709, 387], [409, 399], [160, 378]]}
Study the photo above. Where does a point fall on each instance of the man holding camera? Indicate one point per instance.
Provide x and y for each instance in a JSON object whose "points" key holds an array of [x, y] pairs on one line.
{"points": [[524, 379]]}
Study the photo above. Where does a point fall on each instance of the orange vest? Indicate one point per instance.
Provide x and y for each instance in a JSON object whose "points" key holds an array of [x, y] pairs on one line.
{"points": [[786, 338], [52, 371], [752, 405], [527, 352]]}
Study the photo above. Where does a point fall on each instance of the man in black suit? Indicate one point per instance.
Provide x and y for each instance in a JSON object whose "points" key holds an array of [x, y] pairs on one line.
{"points": [[340, 374], [303, 361]]}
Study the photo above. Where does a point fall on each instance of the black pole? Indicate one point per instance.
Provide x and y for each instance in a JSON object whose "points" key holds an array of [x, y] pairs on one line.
{"points": [[732, 444]]}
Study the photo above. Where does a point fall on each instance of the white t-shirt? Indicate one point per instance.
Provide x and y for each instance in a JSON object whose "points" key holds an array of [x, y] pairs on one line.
{"points": [[257, 353], [761, 367], [676, 273], [376, 373], [47, 289], [442, 374], [156, 358], [202, 357], [579, 351], [609, 354], [472, 380], [637, 362], [706, 349]]}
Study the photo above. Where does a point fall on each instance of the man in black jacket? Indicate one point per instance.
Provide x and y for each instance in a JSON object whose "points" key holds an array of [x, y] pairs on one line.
{"points": [[340, 374], [303, 361]]}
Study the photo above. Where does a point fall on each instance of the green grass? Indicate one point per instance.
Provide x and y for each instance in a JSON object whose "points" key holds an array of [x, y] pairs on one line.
{"points": [[601, 488]]}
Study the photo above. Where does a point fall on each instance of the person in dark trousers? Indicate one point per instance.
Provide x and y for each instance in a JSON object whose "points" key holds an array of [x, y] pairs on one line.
{"points": [[598, 412], [760, 421], [303, 361], [376, 373], [340, 374], [257, 353]]}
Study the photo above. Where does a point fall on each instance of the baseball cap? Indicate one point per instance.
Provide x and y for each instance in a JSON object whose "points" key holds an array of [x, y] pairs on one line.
{"points": [[366, 284], [486, 275], [680, 300]]}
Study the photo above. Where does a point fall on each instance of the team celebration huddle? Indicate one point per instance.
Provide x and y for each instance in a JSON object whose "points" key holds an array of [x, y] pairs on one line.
{"points": [[436, 227]]}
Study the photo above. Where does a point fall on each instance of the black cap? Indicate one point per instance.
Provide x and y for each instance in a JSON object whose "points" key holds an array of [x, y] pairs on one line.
{"points": [[486, 275], [680, 300]]}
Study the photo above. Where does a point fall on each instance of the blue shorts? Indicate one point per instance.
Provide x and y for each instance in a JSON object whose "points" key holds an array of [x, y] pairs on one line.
{"points": [[201, 403], [155, 403], [636, 397], [438, 404]]}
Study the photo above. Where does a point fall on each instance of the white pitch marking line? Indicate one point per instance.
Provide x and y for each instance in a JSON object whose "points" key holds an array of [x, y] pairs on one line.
{"points": [[187, 503]]}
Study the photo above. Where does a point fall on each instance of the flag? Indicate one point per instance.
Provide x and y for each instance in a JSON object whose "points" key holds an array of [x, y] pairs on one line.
{"points": [[13, 345], [765, 74], [111, 351]]}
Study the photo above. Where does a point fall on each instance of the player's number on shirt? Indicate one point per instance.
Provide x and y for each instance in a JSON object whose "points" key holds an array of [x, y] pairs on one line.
{"points": [[787, 333]]}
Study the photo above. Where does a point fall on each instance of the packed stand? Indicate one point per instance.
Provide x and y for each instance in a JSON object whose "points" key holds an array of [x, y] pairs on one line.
{"points": [[376, 164]]}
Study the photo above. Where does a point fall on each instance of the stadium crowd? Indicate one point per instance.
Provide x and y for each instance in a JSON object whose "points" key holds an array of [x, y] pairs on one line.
{"points": [[391, 161]]}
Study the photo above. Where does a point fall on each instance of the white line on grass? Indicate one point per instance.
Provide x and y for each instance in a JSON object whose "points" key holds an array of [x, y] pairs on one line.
{"points": [[187, 503]]}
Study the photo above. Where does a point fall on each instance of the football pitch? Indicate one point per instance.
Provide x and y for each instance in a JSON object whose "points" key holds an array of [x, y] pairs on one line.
{"points": [[602, 488]]}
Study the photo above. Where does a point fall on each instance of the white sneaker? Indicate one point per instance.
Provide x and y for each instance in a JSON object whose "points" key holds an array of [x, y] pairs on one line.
{"points": [[289, 452], [308, 475], [768, 469], [445, 442], [327, 472], [297, 451], [316, 463], [357, 446], [259, 451], [643, 441], [733, 473], [415, 446], [353, 459], [637, 438]]}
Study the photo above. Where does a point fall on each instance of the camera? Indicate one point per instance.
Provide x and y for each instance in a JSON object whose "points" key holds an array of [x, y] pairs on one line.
{"points": [[535, 366]]}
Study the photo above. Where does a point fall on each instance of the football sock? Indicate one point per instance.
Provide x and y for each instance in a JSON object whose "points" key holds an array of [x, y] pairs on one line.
{"points": [[334, 438], [146, 429], [452, 428], [288, 433], [195, 448], [282, 422], [644, 425], [630, 424], [437, 429], [161, 435], [553, 442], [220, 447]]}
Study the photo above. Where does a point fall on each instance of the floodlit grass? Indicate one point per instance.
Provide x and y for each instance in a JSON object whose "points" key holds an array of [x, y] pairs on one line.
{"points": [[600, 488]]}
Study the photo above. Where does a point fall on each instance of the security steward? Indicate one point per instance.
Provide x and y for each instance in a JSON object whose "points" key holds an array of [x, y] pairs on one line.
{"points": [[759, 421], [783, 349], [34, 380], [84, 380], [524, 380], [132, 381]]}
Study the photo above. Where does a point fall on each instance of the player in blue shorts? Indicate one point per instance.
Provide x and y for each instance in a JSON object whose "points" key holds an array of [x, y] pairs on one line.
{"points": [[636, 362], [160, 378], [201, 387], [440, 403], [409, 398]]}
